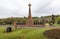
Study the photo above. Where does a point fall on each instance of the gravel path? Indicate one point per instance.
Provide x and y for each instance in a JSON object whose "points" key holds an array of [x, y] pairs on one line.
{"points": [[55, 27]]}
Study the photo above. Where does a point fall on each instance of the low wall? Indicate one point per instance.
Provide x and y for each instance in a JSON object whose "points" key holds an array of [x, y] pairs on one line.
{"points": [[32, 26]]}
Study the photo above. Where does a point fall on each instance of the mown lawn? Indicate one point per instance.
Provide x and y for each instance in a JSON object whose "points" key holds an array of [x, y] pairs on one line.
{"points": [[24, 33], [57, 24]]}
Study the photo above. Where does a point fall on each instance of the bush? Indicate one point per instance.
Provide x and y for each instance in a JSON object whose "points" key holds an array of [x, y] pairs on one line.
{"points": [[52, 34]]}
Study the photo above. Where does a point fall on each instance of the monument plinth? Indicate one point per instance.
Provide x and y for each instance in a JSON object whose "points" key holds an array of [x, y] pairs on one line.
{"points": [[29, 22]]}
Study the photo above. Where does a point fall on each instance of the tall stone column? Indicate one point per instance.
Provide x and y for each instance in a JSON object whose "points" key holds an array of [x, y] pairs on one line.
{"points": [[29, 22]]}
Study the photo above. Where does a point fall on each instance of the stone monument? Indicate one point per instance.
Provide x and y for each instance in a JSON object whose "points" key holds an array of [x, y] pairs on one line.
{"points": [[29, 22]]}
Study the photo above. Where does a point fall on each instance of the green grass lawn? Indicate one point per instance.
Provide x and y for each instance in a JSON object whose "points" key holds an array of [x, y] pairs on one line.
{"points": [[24, 33], [57, 24], [53, 25]]}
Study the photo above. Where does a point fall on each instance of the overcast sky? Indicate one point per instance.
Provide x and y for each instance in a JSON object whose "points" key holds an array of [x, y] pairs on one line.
{"points": [[19, 8]]}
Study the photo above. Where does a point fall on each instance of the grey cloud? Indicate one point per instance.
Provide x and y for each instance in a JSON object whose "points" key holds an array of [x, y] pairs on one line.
{"points": [[46, 10], [19, 8]]}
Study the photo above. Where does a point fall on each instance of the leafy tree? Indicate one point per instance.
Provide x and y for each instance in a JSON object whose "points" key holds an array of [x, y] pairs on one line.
{"points": [[53, 19], [58, 20]]}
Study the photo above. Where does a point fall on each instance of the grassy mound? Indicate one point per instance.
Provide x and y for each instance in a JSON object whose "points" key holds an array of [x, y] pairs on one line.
{"points": [[52, 34], [24, 33]]}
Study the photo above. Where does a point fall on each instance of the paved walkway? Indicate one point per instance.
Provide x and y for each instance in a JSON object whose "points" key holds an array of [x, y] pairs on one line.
{"points": [[55, 27]]}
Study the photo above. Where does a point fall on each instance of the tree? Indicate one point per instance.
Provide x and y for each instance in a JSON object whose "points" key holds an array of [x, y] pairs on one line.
{"points": [[53, 19], [58, 20]]}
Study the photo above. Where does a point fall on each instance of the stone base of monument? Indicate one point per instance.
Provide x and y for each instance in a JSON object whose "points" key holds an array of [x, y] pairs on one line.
{"points": [[39, 25], [35, 24]]}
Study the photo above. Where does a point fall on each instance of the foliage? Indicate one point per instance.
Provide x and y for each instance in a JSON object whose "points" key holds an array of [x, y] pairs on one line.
{"points": [[53, 19], [11, 20], [58, 20]]}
